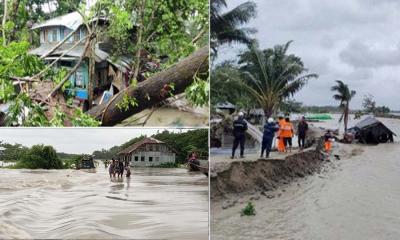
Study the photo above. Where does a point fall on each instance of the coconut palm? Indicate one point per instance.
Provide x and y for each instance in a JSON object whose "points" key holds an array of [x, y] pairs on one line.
{"points": [[344, 95], [272, 75], [226, 27]]}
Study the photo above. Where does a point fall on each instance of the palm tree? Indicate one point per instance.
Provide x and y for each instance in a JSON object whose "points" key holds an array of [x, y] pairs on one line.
{"points": [[225, 27], [344, 95], [272, 75]]}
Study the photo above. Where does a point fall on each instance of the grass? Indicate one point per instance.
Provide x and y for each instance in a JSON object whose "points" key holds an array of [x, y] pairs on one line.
{"points": [[249, 210]]}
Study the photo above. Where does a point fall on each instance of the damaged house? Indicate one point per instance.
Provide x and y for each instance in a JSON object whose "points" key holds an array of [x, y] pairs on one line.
{"points": [[110, 74], [372, 131]]}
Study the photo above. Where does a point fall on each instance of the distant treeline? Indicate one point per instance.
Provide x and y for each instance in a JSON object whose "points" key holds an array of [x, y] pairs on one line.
{"points": [[15, 152], [183, 143]]}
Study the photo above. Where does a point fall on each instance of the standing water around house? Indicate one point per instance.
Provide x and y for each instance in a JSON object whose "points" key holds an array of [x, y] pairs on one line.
{"points": [[356, 198], [153, 204]]}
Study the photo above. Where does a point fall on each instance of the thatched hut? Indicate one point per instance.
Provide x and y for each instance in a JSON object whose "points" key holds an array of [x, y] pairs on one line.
{"points": [[371, 130]]}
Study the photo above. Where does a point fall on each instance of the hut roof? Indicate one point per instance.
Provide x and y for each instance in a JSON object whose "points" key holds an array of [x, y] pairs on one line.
{"points": [[370, 122], [139, 144]]}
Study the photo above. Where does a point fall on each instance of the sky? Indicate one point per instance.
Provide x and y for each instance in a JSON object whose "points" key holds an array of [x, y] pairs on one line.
{"points": [[356, 41], [76, 140]]}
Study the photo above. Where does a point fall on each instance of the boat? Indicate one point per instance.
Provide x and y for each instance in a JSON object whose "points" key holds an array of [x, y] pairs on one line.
{"points": [[318, 117]]}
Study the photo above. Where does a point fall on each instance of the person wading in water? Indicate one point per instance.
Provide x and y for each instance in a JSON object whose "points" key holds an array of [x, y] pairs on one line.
{"points": [[302, 129], [269, 131], [111, 169], [239, 134]]}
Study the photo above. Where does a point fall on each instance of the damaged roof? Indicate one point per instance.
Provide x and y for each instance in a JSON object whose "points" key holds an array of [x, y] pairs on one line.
{"points": [[370, 122], [122, 63], [135, 146], [71, 20]]}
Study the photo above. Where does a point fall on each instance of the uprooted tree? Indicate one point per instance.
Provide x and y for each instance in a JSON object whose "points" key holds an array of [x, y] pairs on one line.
{"points": [[34, 92]]}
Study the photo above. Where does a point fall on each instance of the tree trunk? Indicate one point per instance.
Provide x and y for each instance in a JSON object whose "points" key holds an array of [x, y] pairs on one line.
{"points": [[12, 17], [267, 113], [346, 117], [139, 42], [3, 26], [92, 75], [153, 90]]}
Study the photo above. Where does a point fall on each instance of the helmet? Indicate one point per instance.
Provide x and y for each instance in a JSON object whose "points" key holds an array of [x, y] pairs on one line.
{"points": [[270, 120], [241, 114]]}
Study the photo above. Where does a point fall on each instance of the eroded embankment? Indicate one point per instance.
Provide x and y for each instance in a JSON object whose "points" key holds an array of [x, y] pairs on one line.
{"points": [[264, 174]]}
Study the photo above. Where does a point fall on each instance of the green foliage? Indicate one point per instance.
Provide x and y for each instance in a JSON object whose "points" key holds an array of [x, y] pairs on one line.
{"points": [[40, 156], [127, 102], [249, 210], [12, 152], [228, 27], [344, 95], [198, 92], [80, 119]]}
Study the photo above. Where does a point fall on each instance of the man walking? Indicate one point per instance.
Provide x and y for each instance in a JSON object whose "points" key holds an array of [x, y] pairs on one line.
{"points": [[239, 134], [302, 129], [269, 131]]}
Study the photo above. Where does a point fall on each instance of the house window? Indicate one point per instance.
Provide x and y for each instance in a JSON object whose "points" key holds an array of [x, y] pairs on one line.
{"points": [[142, 158], [157, 159], [156, 147], [66, 32], [150, 159], [82, 33], [53, 35], [136, 158]]}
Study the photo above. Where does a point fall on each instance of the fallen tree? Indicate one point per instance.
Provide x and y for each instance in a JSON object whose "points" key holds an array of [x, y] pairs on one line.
{"points": [[154, 90]]}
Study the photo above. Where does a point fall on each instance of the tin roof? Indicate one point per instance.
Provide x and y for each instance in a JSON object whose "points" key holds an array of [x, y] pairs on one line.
{"points": [[371, 122], [139, 144], [71, 20]]}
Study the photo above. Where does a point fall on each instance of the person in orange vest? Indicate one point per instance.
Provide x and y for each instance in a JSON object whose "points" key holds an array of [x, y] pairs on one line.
{"points": [[280, 145], [328, 141], [287, 134]]}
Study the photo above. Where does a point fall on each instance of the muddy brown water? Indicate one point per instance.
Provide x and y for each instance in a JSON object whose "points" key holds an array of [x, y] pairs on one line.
{"points": [[153, 204], [355, 198]]}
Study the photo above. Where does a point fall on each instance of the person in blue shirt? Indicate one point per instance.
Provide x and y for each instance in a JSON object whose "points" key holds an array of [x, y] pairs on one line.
{"points": [[239, 134], [270, 128]]}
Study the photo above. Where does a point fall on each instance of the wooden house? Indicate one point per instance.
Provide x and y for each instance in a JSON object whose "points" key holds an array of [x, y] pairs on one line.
{"points": [[109, 73], [147, 152]]}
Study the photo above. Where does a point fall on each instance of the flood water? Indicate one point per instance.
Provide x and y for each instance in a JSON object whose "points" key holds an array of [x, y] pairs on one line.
{"points": [[356, 198], [154, 204]]}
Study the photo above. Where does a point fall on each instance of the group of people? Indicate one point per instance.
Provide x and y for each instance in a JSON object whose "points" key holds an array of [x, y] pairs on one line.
{"points": [[283, 129], [117, 168]]}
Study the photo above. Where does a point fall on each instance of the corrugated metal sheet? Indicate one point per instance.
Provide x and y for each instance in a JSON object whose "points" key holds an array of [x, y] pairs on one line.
{"points": [[71, 20]]}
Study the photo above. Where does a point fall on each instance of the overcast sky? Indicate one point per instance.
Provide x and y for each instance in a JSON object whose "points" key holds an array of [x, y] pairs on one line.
{"points": [[357, 41], [76, 140]]}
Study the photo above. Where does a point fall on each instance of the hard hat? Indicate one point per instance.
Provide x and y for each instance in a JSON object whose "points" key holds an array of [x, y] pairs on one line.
{"points": [[241, 114], [270, 120]]}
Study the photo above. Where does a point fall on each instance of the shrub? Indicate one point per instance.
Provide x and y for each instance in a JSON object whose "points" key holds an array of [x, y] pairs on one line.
{"points": [[249, 210], [40, 156]]}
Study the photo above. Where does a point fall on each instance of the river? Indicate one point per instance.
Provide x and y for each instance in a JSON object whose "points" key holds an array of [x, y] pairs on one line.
{"points": [[356, 198], [153, 204]]}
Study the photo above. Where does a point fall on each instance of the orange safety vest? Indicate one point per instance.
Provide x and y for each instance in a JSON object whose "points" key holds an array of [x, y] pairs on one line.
{"points": [[287, 130]]}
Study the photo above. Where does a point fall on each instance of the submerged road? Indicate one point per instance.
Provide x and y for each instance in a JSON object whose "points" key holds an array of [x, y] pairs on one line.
{"points": [[154, 204]]}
